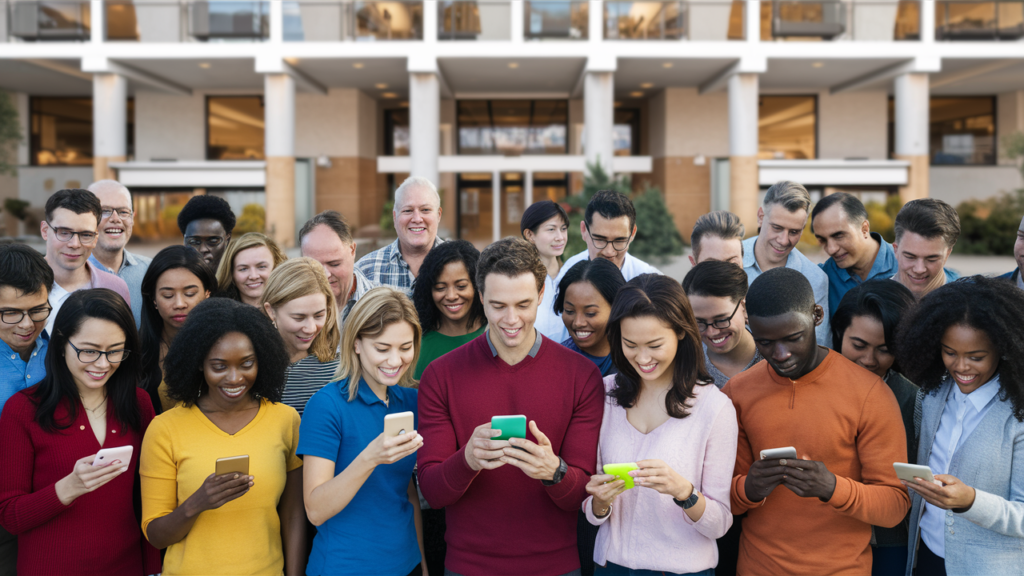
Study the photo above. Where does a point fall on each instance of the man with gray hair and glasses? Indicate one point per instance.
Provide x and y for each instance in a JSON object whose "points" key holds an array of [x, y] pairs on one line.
{"points": [[780, 222], [417, 214], [116, 221]]}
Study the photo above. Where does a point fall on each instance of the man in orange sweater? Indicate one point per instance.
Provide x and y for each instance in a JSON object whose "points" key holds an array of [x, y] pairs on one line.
{"points": [[845, 425]]}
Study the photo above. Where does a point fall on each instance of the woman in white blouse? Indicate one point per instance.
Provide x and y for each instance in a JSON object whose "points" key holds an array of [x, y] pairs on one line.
{"points": [[545, 225]]}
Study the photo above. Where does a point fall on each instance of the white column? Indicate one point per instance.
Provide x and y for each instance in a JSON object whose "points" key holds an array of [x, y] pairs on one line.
{"points": [[911, 110], [595, 21], [598, 118], [279, 115], [928, 21], [430, 21], [276, 22], [528, 190], [496, 206], [516, 20], [743, 168], [109, 115], [752, 20], [97, 21], [424, 124]]}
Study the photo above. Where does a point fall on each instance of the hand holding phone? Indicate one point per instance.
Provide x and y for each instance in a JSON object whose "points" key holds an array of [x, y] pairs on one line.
{"points": [[85, 478], [385, 449], [232, 465], [907, 472], [510, 426], [400, 423], [788, 452], [217, 490], [484, 450], [621, 472], [121, 454]]}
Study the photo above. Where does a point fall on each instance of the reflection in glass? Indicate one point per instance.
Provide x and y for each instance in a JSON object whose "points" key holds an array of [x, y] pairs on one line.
{"points": [[61, 131], [644, 20], [565, 20], [396, 132], [962, 130], [513, 127], [787, 127], [234, 128], [626, 131], [388, 20], [979, 20]]}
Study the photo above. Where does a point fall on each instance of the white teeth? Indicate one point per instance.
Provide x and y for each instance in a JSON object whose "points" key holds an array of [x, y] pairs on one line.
{"points": [[96, 374], [389, 373], [234, 391], [718, 340], [511, 332], [453, 307], [583, 335], [966, 378], [648, 367]]}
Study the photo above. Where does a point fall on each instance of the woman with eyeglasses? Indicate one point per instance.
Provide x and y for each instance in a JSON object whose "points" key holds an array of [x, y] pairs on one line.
{"points": [[247, 263], [71, 516]]}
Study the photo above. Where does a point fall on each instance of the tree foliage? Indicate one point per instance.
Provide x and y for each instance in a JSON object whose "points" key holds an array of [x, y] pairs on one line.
{"points": [[10, 134]]}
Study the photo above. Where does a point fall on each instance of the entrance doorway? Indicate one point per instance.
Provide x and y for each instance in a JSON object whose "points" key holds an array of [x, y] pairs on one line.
{"points": [[484, 217]]}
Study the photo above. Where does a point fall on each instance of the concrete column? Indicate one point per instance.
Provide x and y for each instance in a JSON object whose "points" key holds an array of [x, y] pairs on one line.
{"points": [[495, 206], [516, 21], [928, 22], [595, 21], [912, 101], [109, 121], [598, 118], [528, 189], [279, 146], [97, 21], [743, 117], [752, 20], [430, 24], [276, 22], [424, 124]]}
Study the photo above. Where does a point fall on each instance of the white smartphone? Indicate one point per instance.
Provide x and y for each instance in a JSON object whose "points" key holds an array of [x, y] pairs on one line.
{"points": [[908, 472], [779, 453], [400, 423], [108, 455]]}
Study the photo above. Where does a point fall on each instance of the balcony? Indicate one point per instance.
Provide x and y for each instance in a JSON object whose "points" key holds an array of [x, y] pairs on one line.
{"points": [[556, 20], [33, 21], [830, 20], [187, 21], [462, 20], [695, 20], [1003, 20]]}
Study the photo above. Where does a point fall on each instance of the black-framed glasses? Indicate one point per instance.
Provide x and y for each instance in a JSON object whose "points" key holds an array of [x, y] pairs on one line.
{"points": [[66, 234], [721, 323], [619, 244], [197, 241], [16, 316], [122, 213], [90, 356]]}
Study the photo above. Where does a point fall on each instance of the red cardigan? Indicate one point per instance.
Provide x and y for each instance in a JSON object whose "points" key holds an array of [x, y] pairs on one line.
{"points": [[99, 532], [502, 521]]}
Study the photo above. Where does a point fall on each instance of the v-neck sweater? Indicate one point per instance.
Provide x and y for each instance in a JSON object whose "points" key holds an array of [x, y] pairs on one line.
{"points": [[98, 533], [839, 414], [502, 521]]}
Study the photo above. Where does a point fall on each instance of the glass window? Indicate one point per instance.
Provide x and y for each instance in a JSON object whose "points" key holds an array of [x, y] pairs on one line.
{"points": [[626, 131], [563, 20], [396, 132], [962, 131], [787, 127], [513, 127], [234, 128], [61, 131]]}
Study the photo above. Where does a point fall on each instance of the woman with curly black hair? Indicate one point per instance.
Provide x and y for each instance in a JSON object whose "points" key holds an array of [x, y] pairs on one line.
{"points": [[226, 369], [447, 301], [964, 345]]}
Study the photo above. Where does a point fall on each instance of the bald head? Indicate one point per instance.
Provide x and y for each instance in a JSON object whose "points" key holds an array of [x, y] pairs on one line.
{"points": [[117, 218]]}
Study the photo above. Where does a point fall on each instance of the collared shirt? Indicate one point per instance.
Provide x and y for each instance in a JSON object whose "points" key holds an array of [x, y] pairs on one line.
{"points": [[717, 375], [363, 285], [797, 261], [387, 267], [532, 353], [133, 270], [842, 280], [15, 373], [960, 416], [97, 279]]}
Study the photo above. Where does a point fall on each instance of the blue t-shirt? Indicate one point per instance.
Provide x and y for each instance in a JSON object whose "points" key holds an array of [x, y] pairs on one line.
{"points": [[604, 363], [375, 533], [15, 373]]}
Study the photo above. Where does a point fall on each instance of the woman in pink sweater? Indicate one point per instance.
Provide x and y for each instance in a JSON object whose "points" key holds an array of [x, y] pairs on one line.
{"points": [[664, 414]]}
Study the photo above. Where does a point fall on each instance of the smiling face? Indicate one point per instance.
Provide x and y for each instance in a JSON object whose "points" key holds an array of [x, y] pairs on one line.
{"points": [[453, 292], [650, 346], [208, 237], [708, 309], [416, 219], [845, 242], [93, 334], [787, 341], [970, 356], [385, 358], [920, 261], [251, 269], [864, 345], [510, 305], [550, 237], [780, 232], [585, 314], [21, 337], [299, 321], [71, 255], [338, 259], [608, 230], [720, 249], [178, 291], [230, 369], [115, 231]]}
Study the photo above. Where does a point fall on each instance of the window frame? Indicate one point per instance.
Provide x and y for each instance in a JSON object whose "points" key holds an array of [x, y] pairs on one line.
{"points": [[206, 125]]}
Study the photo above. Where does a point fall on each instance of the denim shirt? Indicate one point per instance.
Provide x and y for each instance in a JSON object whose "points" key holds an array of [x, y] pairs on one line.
{"points": [[842, 280], [15, 373]]}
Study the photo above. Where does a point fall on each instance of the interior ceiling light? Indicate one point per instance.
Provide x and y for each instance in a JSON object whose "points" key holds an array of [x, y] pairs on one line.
{"points": [[666, 65], [646, 85], [204, 65], [389, 95], [513, 65], [358, 65], [637, 94], [381, 86], [818, 64]]}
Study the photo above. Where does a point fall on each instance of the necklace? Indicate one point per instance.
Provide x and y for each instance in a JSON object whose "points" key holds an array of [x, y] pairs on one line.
{"points": [[98, 406]]}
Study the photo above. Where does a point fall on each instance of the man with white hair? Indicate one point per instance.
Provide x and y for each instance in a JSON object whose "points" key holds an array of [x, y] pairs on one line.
{"points": [[417, 213], [109, 255]]}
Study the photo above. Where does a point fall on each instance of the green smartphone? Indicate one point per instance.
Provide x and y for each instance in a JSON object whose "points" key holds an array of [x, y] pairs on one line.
{"points": [[621, 471], [510, 426]]}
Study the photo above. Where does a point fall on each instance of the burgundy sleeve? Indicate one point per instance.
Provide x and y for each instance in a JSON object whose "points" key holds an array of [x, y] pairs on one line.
{"points": [[443, 472], [579, 446]]}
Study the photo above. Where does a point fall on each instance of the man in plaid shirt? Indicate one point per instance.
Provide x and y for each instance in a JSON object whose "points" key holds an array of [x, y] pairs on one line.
{"points": [[417, 214]]}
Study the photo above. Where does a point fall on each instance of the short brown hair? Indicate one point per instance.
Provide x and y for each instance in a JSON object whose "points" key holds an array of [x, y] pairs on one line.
{"points": [[510, 257], [720, 223], [789, 195], [928, 218], [333, 220]]}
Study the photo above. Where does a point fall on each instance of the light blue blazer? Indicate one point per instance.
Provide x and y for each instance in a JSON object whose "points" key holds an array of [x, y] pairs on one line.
{"points": [[988, 539]]}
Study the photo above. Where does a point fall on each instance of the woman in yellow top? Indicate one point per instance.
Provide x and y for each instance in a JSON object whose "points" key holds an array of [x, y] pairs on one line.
{"points": [[226, 368]]}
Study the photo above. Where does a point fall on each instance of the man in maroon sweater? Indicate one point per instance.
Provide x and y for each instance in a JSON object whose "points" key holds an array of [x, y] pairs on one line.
{"points": [[511, 506]]}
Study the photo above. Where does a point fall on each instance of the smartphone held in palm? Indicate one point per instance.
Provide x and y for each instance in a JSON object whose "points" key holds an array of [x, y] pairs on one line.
{"points": [[233, 465], [779, 453], [108, 455], [908, 472], [510, 426], [398, 424], [621, 472]]}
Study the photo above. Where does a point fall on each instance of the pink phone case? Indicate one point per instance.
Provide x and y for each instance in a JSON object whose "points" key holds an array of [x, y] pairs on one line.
{"points": [[108, 455]]}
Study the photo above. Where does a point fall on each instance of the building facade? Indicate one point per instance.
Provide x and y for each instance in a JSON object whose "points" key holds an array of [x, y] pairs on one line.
{"points": [[309, 105]]}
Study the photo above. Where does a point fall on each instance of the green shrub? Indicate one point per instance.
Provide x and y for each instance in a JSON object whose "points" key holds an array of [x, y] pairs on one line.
{"points": [[16, 207], [990, 226], [883, 216], [387, 220], [253, 219]]}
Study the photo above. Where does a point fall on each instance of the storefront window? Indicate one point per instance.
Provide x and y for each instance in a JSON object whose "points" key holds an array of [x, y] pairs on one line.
{"points": [[963, 131], [61, 131], [234, 128], [787, 128], [513, 127]]}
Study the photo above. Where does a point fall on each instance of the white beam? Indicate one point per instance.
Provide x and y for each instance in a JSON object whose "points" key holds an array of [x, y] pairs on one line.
{"points": [[915, 65], [272, 65], [60, 68], [745, 65], [104, 65], [958, 77]]}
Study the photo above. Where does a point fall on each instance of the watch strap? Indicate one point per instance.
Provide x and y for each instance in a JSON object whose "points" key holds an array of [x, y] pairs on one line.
{"points": [[559, 473], [689, 502]]}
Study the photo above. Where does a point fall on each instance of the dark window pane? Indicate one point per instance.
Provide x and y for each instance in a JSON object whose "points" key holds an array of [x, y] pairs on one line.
{"points": [[962, 131], [513, 126], [62, 131], [787, 128], [234, 127]]}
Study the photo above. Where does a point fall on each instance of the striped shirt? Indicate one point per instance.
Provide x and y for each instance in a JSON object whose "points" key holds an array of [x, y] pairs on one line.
{"points": [[304, 378], [387, 267]]}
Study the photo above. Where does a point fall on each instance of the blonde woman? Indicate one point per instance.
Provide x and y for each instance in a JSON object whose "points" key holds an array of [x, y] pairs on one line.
{"points": [[357, 484], [247, 263], [299, 301]]}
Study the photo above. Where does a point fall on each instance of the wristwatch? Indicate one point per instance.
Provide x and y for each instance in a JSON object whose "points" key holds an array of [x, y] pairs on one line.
{"points": [[559, 474], [689, 502]]}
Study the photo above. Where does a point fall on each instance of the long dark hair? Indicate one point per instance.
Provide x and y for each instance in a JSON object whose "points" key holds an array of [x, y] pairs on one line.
{"points": [[599, 273], [881, 299], [58, 386], [657, 296], [152, 329], [432, 267]]}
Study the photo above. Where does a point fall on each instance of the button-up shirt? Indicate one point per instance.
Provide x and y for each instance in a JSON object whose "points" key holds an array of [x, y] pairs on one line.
{"points": [[797, 261], [387, 267], [98, 278], [842, 280], [363, 285], [133, 270], [960, 416], [15, 373]]}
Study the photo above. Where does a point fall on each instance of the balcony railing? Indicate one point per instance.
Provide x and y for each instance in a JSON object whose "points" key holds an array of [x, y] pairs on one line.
{"points": [[555, 20], [691, 20], [858, 20], [44, 20], [187, 21], [461, 20], [338, 20], [1003, 20]]}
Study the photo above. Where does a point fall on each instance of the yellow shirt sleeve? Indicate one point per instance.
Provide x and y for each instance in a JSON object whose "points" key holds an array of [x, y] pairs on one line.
{"points": [[294, 462], [158, 473]]}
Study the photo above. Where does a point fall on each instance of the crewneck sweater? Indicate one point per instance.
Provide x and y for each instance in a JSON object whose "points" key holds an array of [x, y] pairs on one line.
{"points": [[501, 521]]}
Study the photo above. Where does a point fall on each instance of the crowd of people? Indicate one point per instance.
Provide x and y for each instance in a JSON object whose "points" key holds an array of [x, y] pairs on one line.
{"points": [[223, 409]]}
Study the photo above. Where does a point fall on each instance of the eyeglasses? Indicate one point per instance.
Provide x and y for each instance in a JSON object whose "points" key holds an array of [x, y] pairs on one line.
{"points": [[721, 323], [197, 241], [619, 244], [16, 316], [123, 213], [90, 356], [66, 234]]}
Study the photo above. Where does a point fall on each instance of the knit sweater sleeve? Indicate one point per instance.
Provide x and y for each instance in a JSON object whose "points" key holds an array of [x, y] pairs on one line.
{"points": [[22, 508], [878, 498], [744, 458], [579, 446], [444, 474]]}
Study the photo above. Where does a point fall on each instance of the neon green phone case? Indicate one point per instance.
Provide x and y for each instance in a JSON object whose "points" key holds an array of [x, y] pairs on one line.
{"points": [[510, 426], [621, 471]]}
